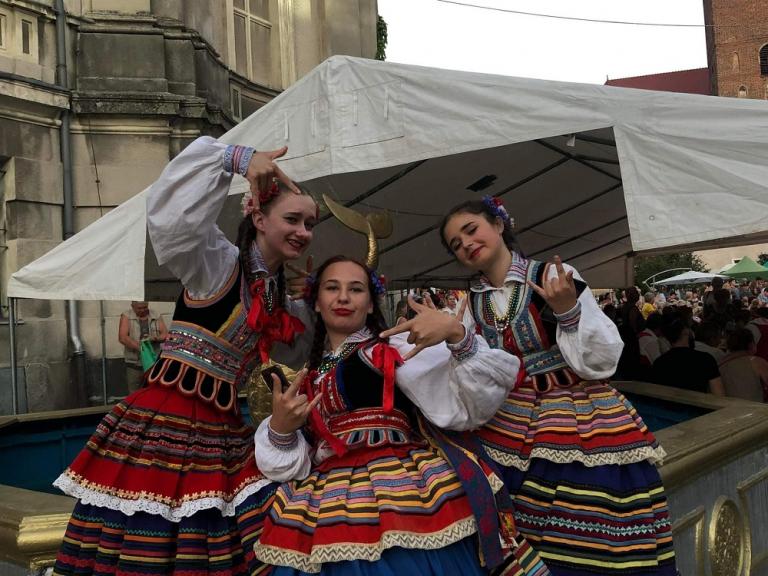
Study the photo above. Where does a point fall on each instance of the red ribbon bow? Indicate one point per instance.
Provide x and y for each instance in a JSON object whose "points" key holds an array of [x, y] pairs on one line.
{"points": [[387, 359], [279, 326]]}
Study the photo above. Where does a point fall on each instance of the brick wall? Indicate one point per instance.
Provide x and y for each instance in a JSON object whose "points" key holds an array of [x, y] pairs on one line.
{"points": [[733, 45]]}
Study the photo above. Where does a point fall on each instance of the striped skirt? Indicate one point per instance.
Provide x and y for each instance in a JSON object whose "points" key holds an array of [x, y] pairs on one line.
{"points": [[580, 465], [355, 507], [100, 541], [166, 484]]}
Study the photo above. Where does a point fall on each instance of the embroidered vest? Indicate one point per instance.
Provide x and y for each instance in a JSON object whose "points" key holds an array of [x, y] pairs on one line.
{"points": [[352, 408], [530, 334], [208, 341]]}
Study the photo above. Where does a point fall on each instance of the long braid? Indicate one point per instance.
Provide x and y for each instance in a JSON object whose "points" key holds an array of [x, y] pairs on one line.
{"points": [[246, 234], [318, 344]]}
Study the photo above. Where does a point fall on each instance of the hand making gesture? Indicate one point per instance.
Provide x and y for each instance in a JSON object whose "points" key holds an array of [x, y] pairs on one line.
{"points": [[290, 409], [559, 292], [297, 284], [429, 326], [262, 169]]}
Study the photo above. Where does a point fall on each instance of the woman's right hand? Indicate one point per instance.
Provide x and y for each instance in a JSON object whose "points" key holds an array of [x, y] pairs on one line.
{"points": [[290, 409], [262, 169], [429, 327]]}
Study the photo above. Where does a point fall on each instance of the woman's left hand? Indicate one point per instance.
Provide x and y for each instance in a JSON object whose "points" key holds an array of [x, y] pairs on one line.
{"points": [[429, 327], [560, 291], [297, 283]]}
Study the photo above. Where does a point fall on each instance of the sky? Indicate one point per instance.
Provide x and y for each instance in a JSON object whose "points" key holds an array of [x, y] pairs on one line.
{"points": [[445, 35]]}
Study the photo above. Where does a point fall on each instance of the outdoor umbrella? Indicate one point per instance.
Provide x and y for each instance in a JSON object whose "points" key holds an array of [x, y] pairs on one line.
{"points": [[690, 277]]}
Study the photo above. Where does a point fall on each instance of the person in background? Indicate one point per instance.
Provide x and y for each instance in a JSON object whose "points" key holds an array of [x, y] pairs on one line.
{"points": [[709, 293], [630, 323], [648, 340], [759, 329], [709, 337], [744, 375], [684, 367], [139, 323], [648, 307], [450, 304], [401, 309]]}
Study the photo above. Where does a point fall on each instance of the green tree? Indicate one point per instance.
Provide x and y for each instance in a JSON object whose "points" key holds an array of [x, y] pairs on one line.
{"points": [[762, 259], [646, 266], [381, 39]]}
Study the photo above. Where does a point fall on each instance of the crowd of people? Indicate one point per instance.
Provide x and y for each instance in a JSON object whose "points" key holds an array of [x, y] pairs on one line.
{"points": [[710, 339]]}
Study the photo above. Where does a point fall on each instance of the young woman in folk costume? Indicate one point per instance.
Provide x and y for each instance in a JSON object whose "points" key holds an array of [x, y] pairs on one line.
{"points": [[168, 482], [362, 492], [573, 452]]}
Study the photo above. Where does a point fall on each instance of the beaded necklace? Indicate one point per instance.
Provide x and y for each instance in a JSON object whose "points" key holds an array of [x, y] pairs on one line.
{"points": [[331, 360], [501, 323]]}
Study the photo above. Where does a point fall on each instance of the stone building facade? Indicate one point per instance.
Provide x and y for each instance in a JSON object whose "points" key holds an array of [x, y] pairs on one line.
{"points": [[737, 47], [144, 78]]}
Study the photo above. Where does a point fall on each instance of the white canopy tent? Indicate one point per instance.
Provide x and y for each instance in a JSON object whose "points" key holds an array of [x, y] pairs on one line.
{"points": [[593, 173], [690, 277]]}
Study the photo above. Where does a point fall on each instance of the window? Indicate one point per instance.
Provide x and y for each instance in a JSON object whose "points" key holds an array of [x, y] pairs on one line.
{"points": [[742, 91], [3, 32], [252, 40], [735, 62], [237, 112], [26, 36], [764, 60]]}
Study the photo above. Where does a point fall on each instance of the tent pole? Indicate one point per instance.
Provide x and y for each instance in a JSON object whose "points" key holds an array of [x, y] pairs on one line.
{"points": [[12, 343], [103, 353]]}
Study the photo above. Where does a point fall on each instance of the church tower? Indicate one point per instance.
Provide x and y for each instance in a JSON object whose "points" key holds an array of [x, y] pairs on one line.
{"points": [[737, 47]]}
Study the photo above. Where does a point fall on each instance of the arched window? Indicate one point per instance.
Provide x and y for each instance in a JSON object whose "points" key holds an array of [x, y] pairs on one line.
{"points": [[735, 62], [764, 60], [742, 91]]}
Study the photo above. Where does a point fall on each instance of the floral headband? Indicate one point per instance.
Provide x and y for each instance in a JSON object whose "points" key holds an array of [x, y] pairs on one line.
{"points": [[496, 206], [265, 196]]}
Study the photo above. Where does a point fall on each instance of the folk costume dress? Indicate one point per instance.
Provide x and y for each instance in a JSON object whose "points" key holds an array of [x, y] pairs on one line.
{"points": [[364, 494], [573, 452], [168, 482]]}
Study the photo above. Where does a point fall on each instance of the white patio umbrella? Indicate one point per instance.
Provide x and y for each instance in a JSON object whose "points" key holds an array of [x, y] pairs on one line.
{"points": [[690, 277]]}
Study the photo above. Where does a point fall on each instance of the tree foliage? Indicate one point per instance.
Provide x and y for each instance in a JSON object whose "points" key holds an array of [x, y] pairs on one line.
{"points": [[762, 259], [646, 266], [381, 39]]}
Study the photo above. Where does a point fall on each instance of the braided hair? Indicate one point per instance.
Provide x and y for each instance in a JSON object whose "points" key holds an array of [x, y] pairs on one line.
{"points": [[374, 321], [485, 210], [246, 235]]}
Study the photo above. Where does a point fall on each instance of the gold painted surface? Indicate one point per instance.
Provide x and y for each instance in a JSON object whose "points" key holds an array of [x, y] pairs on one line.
{"points": [[726, 539], [694, 519], [751, 560], [258, 396], [698, 446], [32, 525]]}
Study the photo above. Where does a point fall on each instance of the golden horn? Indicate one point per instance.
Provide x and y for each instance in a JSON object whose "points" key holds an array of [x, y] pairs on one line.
{"points": [[372, 258]]}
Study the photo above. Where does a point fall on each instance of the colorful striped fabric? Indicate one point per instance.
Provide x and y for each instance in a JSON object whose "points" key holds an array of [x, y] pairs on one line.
{"points": [[594, 520], [167, 484], [591, 423], [100, 541], [166, 453], [358, 505]]}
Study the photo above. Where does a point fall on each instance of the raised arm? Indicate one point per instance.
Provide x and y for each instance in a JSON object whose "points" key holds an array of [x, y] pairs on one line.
{"points": [[182, 208], [457, 386], [588, 339]]}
